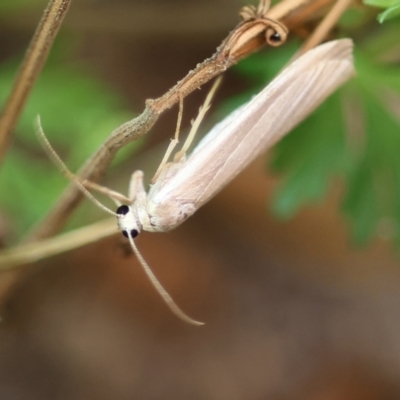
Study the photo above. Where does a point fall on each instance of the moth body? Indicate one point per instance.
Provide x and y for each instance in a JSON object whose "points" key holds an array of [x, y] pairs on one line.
{"points": [[183, 187]]}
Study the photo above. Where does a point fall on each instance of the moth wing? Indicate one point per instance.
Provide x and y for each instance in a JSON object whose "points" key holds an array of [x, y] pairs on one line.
{"points": [[246, 133]]}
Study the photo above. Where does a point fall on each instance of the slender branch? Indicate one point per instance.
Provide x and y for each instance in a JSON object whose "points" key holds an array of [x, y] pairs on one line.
{"points": [[326, 25], [284, 8], [30, 69], [92, 170], [31, 252], [249, 35], [259, 26]]}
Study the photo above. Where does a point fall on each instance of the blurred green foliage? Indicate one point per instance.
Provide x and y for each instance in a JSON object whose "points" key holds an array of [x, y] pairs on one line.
{"points": [[78, 112], [354, 136], [13, 6], [389, 13], [392, 8]]}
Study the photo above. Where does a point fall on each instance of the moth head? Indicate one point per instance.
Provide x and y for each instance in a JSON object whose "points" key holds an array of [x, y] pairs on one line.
{"points": [[127, 221], [128, 224]]}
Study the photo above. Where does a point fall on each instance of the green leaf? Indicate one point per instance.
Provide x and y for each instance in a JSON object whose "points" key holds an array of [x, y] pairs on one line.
{"points": [[308, 156], [77, 113], [381, 3], [392, 8], [391, 12], [361, 204], [361, 147], [373, 186]]}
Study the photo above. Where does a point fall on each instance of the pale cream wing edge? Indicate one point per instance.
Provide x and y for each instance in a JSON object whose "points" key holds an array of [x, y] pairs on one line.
{"points": [[242, 136]]}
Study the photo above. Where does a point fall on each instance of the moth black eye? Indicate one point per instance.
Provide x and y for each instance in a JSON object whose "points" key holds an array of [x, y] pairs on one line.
{"points": [[122, 210], [275, 37], [133, 232]]}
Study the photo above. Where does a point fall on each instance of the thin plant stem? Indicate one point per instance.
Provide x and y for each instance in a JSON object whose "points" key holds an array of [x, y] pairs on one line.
{"points": [[31, 252], [248, 37], [30, 69], [322, 30]]}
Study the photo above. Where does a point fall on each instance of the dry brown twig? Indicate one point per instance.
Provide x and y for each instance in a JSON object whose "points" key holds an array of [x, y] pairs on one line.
{"points": [[252, 33], [31, 252], [30, 69], [258, 27]]}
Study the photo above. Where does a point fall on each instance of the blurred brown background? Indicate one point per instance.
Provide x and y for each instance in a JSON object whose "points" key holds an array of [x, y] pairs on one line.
{"points": [[292, 310]]}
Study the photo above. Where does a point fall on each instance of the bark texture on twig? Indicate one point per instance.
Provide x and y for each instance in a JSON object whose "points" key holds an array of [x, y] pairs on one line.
{"points": [[30, 69], [258, 27], [254, 31]]}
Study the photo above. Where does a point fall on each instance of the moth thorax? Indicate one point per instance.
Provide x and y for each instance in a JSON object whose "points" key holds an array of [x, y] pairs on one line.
{"points": [[127, 221]]}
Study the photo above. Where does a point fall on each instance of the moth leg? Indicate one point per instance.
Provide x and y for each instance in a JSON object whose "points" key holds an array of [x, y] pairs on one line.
{"points": [[196, 123], [112, 194], [137, 192], [173, 142]]}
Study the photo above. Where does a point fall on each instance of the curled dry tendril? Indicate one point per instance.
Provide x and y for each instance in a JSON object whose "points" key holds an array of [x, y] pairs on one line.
{"points": [[275, 32]]}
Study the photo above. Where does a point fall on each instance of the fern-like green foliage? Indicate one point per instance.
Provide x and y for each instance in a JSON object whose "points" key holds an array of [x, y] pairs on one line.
{"points": [[391, 8], [354, 136], [78, 113]]}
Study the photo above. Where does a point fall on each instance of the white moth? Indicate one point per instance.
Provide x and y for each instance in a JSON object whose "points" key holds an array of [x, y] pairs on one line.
{"points": [[184, 185]]}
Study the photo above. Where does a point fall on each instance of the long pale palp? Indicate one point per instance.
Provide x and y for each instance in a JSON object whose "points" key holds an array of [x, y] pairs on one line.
{"points": [[160, 289]]}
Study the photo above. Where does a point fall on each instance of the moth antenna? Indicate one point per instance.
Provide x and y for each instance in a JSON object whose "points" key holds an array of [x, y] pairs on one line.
{"points": [[160, 289], [48, 148]]}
